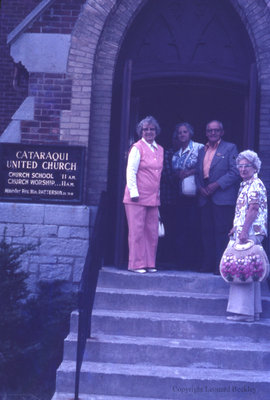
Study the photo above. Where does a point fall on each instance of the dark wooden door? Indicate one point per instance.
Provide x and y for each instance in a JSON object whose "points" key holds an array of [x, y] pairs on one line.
{"points": [[175, 100]]}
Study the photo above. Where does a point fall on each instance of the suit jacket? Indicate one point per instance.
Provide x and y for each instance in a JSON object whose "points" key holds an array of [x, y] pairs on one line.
{"points": [[222, 170]]}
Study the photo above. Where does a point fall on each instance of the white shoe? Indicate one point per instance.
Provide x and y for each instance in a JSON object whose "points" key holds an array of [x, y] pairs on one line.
{"points": [[139, 270], [241, 318], [151, 270]]}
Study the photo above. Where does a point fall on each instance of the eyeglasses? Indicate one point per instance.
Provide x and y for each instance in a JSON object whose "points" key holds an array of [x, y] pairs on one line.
{"points": [[243, 166], [217, 130], [149, 129]]}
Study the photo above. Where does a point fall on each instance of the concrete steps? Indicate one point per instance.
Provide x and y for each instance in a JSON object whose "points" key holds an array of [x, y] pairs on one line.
{"points": [[66, 396], [172, 352], [173, 325], [169, 281], [142, 380], [165, 336], [160, 301]]}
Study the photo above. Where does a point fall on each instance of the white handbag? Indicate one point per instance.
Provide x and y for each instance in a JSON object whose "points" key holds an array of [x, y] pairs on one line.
{"points": [[161, 229], [189, 186]]}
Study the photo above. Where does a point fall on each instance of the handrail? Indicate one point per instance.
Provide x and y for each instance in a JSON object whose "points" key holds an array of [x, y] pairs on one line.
{"points": [[88, 284]]}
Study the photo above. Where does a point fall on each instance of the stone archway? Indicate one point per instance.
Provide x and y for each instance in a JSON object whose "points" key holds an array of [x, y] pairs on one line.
{"points": [[257, 23], [95, 45]]}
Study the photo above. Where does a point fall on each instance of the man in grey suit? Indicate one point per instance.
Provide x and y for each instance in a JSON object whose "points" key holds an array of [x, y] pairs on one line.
{"points": [[217, 182]]}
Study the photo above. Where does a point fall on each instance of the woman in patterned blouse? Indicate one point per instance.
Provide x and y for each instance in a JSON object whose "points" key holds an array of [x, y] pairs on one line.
{"points": [[184, 164], [250, 222]]}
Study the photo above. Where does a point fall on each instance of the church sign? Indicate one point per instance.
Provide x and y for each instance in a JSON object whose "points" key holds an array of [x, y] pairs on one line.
{"points": [[38, 173]]}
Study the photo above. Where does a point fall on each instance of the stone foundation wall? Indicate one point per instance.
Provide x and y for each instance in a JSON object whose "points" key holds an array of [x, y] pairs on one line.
{"points": [[59, 232]]}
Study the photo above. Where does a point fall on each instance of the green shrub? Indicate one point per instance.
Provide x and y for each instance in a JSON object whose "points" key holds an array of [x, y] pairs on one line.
{"points": [[50, 315], [15, 346], [32, 327]]}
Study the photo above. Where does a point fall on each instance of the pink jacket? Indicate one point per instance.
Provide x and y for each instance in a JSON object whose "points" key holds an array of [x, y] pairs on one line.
{"points": [[148, 176]]}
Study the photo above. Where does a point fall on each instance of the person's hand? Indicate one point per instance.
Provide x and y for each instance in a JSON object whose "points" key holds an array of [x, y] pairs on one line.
{"points": [[211, 188], [203, 191], [183, 174], [243, 237], [232, 231], [135, 199]]}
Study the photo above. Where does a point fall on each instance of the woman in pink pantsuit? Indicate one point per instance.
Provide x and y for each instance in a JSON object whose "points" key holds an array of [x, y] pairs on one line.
{"points": [[141, 198]]}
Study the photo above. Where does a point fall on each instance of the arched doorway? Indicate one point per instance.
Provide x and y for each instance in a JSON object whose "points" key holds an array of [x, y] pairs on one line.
{"points": [[181, 60], [196, 100]]}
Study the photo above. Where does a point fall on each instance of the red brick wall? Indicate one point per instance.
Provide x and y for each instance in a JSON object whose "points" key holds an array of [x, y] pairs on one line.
{"points": [[59, 18], [12, 13], [52, 94]]}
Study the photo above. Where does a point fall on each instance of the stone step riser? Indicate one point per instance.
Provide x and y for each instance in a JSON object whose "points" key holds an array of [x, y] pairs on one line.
{"points": [[148, 302], [70, 396], [176, 282], [163, 387], [103, 352], [186, 329], [173, 283]]}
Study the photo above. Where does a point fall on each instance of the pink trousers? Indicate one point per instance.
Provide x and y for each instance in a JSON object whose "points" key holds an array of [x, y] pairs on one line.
{"points": [[142, 235]]}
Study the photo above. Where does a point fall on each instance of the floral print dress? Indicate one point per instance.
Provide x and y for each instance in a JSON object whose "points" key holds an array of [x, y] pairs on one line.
{"points": [[245, 298], [251, 191]]}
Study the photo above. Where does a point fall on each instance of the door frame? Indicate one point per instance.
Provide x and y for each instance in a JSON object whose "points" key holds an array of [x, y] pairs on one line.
{"points": [[126, 136]]}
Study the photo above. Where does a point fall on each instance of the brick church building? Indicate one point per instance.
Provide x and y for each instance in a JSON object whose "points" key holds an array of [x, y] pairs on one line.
{"points": [[84, 72]]}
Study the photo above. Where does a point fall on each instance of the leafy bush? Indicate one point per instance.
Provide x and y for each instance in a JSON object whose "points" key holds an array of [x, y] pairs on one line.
{"points": [[32, 328], [15, 345], [50, 316]]}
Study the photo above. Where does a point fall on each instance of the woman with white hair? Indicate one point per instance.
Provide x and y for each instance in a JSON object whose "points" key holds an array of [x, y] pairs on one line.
{"points": [[250, 222], [141, 198], [184, 163]]}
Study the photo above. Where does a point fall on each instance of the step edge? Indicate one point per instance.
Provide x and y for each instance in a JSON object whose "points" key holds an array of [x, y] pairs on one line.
{"points": [[191, 373]]}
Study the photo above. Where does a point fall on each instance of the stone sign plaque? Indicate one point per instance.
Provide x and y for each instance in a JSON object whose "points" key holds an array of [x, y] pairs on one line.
{"points": [[41, 173]]}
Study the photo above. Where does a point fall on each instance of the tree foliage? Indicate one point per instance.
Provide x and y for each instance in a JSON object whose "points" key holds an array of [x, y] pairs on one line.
{"points": [[32, 327]]}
